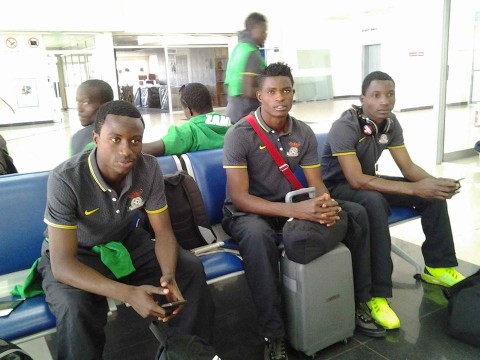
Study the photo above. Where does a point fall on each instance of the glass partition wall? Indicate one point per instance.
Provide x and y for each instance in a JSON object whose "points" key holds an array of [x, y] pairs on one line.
{"points": [[150, 73], [462, 122]]}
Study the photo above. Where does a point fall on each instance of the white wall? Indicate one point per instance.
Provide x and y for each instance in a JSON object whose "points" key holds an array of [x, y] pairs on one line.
{"points": [[25, 66], [346, 55], [103, 61]]}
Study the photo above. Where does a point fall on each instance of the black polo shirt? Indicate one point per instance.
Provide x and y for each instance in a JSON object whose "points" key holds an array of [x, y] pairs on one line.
{"points": [[346, 138], [244, 149], [79, 198]]}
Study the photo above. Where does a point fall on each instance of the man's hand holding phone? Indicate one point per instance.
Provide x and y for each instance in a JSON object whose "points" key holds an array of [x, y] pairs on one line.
{"points": [[172, 305], [174, 298], [457, 190]]}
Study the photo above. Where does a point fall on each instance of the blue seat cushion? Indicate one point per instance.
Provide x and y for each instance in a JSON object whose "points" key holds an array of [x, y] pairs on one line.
{"points": [[30, 317], [401, 213], [167, 164], [22, 207], [207, 166], [220, 263], [230, 244]]}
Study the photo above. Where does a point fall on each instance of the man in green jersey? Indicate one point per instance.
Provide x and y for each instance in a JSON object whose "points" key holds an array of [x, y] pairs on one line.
{"points": [[205, 129]]}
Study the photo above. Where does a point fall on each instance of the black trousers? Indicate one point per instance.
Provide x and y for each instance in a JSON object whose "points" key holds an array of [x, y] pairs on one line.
{"points": [[258, 239], [81, 316], [438, 248]]}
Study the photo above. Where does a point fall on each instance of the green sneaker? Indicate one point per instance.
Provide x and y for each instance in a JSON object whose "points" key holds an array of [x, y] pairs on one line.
{"points": [[382, 313], [441, 276]]}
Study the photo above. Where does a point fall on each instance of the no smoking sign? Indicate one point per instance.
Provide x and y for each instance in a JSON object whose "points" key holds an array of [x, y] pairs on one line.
{"points": [[11, 42]]}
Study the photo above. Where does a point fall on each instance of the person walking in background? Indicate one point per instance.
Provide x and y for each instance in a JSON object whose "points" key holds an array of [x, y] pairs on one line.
{"points": [[91, 94], [243, 67], [204, 130]]}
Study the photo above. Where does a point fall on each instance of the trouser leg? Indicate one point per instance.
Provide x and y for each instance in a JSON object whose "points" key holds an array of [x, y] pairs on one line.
{"points": [[81, 317], [438, 249], [357, 241], [197, 316], [378, 211], [257, 241]]}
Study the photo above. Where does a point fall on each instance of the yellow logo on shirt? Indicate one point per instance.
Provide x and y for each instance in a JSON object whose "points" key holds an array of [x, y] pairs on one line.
{"points": [[90, 212], [262, 147]]}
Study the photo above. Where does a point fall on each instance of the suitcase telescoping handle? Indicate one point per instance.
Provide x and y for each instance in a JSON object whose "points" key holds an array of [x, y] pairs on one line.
{"points": [[291, 195]]}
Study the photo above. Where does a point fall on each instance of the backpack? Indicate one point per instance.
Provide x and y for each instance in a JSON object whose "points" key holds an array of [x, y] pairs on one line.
{"points": [[9, 351], [464, 309], [187, 211], [181, 347]]}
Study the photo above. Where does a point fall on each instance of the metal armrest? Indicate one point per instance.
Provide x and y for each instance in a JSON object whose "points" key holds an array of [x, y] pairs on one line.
{"points": [[207, 248]]}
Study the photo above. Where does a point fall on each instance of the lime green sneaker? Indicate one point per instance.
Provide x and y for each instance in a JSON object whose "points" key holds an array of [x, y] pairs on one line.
{"points": [[382, 313], [441, 276]]}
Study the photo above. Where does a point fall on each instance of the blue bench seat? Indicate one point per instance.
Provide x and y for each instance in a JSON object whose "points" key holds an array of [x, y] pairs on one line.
{"points": [[21, 213], [22, 205], [220, 265], [30, 317]]}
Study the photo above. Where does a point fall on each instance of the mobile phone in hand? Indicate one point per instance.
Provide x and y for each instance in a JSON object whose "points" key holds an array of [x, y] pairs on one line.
{"points": [[173, 305], [459, 186]]}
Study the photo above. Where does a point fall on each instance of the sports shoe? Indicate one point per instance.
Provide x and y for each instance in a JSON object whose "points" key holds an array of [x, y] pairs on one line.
{"points": [[275, 349], [379, 309], [441, 276], [366, 325]]}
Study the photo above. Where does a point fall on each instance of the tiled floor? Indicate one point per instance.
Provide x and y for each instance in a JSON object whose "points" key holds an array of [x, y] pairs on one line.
{"points": [[421, 307]]}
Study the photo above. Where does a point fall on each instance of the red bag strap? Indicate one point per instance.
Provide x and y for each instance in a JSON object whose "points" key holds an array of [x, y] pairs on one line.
{"points": [[282, 165]]}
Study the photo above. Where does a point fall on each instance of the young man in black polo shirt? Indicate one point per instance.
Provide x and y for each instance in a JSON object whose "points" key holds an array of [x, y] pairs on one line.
{"points": [[257, 187], [91, 94], [354, 144], [94, 250]]}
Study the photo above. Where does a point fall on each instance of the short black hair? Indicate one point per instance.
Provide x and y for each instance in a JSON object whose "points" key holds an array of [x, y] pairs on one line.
{"points": [[181, 89], [97, 89], [376, 75], [254, 19], [116, 107], [197, 97], [275, 69]]}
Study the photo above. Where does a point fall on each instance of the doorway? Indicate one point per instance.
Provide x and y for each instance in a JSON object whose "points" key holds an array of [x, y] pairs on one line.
{"points": [[371, 58]]}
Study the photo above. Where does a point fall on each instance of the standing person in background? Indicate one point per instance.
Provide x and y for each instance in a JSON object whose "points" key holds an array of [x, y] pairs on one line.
{"points": [[243, 67], [204, 130], [91, 94], [6, 162]]}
